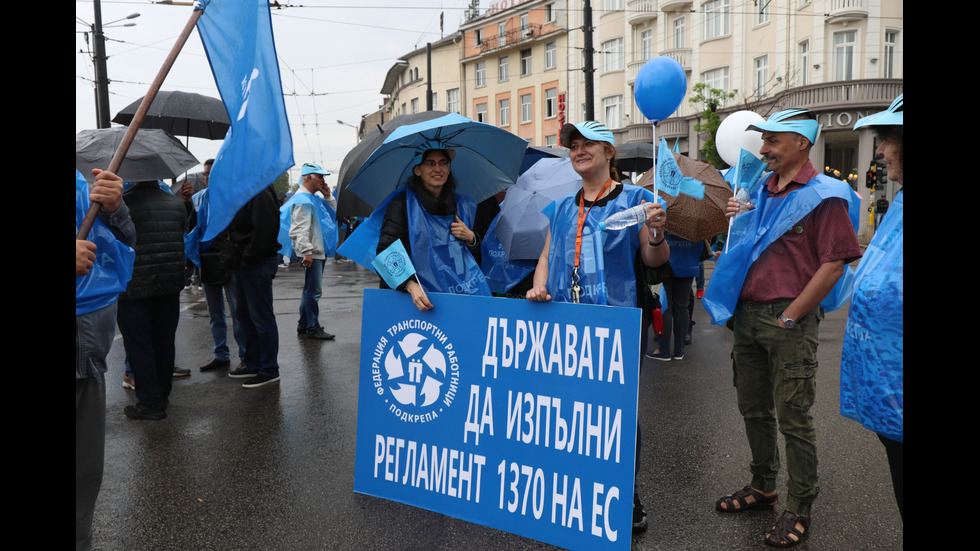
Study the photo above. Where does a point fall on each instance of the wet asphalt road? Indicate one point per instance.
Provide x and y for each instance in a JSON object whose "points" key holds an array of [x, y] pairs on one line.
{"points": [[273, 467]]}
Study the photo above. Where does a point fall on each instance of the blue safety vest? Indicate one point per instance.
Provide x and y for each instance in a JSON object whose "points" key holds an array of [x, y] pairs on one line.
{"points": [[324, 213]]}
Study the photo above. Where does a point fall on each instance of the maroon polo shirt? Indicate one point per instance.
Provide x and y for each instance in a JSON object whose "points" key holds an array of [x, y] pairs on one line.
{"points": [[787, 265]]}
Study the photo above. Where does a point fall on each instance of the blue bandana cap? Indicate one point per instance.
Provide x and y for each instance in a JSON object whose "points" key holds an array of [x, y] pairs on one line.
{"points": [[310, 168], [429, 145], [590, 130], [893, 116], [808, 128]]}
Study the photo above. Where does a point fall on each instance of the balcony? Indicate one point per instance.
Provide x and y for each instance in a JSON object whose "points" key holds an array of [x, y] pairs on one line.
{"points": [[632, 68], [673, 5], [639, 11], [855, 94], [512, 37], [682, 55], [847, 10]]}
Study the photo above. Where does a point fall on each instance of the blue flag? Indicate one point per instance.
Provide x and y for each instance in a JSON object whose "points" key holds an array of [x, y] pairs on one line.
{"points": [[394, 265], [669, 177], [237, 37], [748, 170]]}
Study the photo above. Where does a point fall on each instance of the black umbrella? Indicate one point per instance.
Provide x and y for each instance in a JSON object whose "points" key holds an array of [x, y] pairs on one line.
{"points": [[348, 203], [634, 157], [182, 114], [154, 154]]}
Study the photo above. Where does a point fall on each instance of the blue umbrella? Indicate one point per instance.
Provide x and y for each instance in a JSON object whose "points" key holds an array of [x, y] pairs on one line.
{"points": [[535, 153], [487, 158]]}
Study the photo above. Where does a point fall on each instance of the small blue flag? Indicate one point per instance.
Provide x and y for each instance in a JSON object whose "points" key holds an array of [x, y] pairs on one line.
{"points": [[669, 177], [747, 171], [394, 265], [237, 37]]}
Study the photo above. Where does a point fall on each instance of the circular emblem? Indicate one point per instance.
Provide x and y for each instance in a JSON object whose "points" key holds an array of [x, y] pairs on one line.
{"points": [[395, 264], [419, 372]]}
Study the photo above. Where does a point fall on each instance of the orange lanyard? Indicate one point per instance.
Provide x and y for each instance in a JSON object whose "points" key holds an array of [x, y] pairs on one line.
{"points": [[582, 214]]}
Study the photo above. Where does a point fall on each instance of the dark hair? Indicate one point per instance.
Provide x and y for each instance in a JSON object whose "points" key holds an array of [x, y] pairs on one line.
{"points": [[209, 162], [414, 182]]}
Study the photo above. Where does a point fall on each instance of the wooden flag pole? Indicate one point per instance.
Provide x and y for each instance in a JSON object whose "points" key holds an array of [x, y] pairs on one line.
{"points": [[134, 125]]}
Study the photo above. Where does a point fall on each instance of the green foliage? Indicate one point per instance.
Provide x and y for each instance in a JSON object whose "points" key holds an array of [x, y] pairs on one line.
{"points": [[709, 100], [281, 185]]}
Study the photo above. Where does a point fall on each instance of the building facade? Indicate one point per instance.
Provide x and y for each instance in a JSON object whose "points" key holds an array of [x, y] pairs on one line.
{"points": [[520, 66]]}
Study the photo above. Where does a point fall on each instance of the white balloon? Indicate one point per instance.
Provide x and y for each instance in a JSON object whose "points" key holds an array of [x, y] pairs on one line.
{"points": [[732, 137]]}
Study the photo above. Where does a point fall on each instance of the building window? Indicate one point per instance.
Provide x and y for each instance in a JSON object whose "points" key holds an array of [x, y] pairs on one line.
{"points": [[551, 141], [549, 13], [760, 76], [550, 103], [803, 55], [527, 108], [612, 55], [501, 34], [646, 44], [404, 109], [503, 112], [762, 16], [680, 29], [414, 105], [612, 109], [435, 101], [844, 55], [478, 37], [716, 78], [550, 55], [612, 5], [481, 112], [525, 62], [716, 18], [891, 46], [525, 22], [503, 68], [481, 73], [452, 100]]}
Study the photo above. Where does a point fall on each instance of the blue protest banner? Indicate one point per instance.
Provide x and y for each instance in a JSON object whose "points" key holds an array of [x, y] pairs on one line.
{"points": [[237, 37], [669, 177], [516, 415]]}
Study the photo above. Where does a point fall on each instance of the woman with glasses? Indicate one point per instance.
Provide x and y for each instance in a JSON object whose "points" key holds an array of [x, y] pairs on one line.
{"points": [[433, 223]]}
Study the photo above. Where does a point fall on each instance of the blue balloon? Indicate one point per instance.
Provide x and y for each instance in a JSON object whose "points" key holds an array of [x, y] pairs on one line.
{"points": [[659, 87]]}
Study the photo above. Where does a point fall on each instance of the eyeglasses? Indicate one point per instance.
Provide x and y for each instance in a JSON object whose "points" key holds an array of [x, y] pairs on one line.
{"points": [[432, 164]]}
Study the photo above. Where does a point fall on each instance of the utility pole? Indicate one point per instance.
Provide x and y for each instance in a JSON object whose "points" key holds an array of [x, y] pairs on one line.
{"points": [[589, 70], [101, 80], [428, 76]]}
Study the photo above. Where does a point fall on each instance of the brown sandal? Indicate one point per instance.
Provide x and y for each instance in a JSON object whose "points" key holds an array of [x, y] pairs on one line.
{"points": [[761, 501], [778, 535]]}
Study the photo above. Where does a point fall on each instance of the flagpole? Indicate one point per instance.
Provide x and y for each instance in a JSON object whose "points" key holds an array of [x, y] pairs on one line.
{"points": [[134, 125], [654, 126]]}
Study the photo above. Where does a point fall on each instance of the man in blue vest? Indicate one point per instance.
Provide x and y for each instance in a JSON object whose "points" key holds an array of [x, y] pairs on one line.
{"points": [[804, 238], [307, 237]]}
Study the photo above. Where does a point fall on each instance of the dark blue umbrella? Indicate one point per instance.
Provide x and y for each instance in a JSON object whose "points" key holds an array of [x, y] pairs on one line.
{"points": [[535, 153], [487, 160]]}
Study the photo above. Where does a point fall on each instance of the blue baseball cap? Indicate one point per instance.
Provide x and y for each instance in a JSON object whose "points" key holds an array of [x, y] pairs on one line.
{"points": [[310, 168], [808, 128], [893, 116], [590, 130]]}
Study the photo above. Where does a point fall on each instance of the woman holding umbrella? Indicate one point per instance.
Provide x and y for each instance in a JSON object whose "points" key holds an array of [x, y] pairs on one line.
{"points": [[570, 269], [433, 223], [872, 377]]}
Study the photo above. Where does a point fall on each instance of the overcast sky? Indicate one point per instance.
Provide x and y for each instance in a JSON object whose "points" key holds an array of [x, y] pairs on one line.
{"points": [[333, 56]]}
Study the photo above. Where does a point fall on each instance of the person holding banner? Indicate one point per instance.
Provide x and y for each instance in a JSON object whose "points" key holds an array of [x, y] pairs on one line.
{"points": [[103, 267], [431, 220], [308, 236], [584, 264], [872, 364], [805, 240]]}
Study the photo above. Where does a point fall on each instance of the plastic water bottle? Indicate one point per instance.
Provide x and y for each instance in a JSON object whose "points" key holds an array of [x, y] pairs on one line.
{"points": [[624, 218], [743, 200]]}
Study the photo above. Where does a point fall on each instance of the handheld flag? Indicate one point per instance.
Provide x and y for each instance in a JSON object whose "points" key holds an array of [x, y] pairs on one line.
{"points": [[238, 40], [748, 170], [394, 265], [669, 177]]}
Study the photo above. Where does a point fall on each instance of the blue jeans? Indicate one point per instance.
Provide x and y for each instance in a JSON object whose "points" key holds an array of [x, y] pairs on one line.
{"points": [[215, 296], [257, 316], [309, 304]]}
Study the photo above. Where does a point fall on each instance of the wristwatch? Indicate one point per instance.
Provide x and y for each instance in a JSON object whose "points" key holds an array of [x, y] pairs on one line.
{"points": [[787, 322]]}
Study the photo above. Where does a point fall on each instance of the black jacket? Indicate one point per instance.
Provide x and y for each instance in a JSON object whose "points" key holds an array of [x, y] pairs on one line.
{"points": [[159, 221], [255, 228]]}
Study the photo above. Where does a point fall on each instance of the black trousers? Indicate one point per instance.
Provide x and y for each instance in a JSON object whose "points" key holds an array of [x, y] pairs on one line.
{"points": [[148, 327]]}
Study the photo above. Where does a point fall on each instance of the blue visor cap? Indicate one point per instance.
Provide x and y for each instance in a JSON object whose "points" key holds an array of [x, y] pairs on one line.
{"points": [[429, 145], [893, 116], [808, 128], [310, 168], [590, 130]]}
